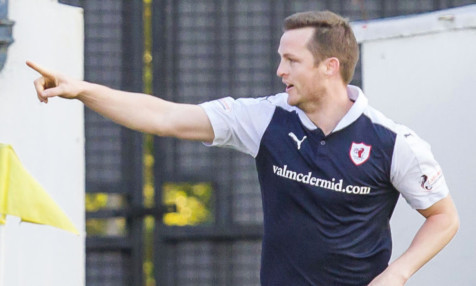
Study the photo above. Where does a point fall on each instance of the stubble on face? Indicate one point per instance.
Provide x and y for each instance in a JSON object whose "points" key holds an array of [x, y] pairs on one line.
{"points": [[298, 70]]}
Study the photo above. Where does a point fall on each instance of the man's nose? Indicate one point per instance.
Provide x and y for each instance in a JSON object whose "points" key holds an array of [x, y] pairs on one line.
{"points": [[281, 70]]}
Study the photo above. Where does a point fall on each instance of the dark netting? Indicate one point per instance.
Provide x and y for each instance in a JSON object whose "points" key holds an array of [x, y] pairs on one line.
{"points": [[213, 263], [107, 268], [245, 262], [246, 199], [195, 260], [410, 7], [103, 64], [453, 3]]}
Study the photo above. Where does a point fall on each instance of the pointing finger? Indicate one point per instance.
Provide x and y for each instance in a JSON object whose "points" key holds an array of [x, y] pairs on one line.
{"points": [[39, 69]]}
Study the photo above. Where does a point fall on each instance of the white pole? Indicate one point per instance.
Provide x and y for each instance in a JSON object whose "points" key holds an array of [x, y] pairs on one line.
{"points": [[2, 255]]}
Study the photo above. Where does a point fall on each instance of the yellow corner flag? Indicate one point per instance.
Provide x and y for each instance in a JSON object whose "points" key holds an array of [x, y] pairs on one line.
{"points": [[22, 196]]}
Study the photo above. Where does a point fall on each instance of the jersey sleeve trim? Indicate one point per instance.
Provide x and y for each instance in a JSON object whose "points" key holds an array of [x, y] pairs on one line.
{"points": [[240, 123], [414, 171]]}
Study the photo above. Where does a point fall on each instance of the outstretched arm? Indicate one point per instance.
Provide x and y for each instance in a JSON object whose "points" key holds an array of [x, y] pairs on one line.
{"points": [[137, 111], [438, 229]]}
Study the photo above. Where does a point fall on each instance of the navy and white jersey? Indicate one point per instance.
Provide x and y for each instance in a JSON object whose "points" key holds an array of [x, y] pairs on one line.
{"points": [[327, 200]]}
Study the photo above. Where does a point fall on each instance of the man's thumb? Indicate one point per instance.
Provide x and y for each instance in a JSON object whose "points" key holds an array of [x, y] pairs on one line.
{"points": [[52, 92]]}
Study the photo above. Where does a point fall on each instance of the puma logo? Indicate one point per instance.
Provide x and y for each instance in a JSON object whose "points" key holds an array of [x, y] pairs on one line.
{"points": [[298, 142]]}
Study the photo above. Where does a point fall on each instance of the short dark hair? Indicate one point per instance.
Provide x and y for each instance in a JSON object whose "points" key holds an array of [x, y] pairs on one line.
{"points": [[333, 37]]}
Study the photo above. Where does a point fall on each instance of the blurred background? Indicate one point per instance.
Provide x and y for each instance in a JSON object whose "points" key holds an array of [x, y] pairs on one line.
{"points": [[168, 212]]}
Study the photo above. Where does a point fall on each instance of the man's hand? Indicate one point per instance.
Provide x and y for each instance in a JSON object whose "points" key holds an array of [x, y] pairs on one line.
{"points": [[51, 84], [439, 228]]}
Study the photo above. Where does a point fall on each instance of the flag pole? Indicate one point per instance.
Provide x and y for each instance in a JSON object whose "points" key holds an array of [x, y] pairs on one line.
{"points": [[2, 255]]}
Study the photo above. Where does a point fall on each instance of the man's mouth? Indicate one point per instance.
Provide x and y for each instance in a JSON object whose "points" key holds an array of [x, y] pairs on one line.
{"points": [[289, 87]]}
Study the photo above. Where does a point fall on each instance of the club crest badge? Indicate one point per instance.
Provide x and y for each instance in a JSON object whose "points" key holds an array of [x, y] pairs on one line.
{"points": [[359, 153]]}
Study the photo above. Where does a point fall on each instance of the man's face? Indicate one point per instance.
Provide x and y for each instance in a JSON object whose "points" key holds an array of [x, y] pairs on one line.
{"points": [[303, 79]]}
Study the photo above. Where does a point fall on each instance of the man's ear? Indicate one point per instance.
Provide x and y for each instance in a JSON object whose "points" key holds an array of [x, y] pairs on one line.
{"points": [[332, 66]]}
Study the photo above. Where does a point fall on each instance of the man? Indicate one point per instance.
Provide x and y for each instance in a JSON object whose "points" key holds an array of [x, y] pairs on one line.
{"points": [[330, 167]]}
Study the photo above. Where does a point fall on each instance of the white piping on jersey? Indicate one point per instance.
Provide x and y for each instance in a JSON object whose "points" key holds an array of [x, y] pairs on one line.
{"points": [[354, 93]]}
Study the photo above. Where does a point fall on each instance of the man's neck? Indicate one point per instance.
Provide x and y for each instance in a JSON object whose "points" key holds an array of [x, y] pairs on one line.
{"points": [[327, 110]]}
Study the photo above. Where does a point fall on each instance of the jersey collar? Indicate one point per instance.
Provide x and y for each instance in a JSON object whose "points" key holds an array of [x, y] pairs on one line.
{"points": [[360, 103]]}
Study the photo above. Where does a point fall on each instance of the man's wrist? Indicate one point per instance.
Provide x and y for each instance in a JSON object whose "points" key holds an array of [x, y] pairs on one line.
{"points": [[84, 89], [399, 272]]}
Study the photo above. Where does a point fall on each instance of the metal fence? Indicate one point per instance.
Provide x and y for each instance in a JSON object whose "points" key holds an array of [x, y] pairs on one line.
{"points": [[202, 50], [113, 57]]}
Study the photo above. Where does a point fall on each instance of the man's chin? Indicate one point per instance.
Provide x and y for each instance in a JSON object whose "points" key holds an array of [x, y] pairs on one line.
{"points": [[292, 100]]}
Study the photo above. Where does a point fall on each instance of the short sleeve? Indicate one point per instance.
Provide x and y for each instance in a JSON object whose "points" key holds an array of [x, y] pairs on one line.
{"points": [[239, 124], [415, 172]]}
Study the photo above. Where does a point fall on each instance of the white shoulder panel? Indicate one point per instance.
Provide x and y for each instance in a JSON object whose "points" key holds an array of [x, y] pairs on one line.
{"points": [[240, 123], [378, 118], [414, 171]]}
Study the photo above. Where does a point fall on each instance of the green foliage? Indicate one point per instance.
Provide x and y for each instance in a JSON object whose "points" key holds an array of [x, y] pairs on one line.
{"points": [[193, 202], [107, 226], [95, 202]]}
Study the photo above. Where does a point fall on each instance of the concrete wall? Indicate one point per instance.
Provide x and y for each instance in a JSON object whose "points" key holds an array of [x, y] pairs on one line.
{"points": [[419, 71], [49, 140]]}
